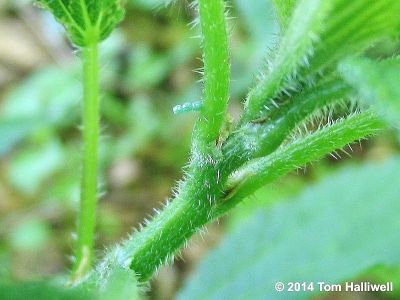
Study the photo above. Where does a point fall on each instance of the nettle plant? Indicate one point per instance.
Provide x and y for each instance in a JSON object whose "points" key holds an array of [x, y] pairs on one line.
{"points": [[316, 65]]}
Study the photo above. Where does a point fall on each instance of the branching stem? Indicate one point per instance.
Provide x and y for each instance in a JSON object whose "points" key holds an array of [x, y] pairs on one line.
{"points": [[204, 188], [224, 171], [267, 169], [190, 210]]}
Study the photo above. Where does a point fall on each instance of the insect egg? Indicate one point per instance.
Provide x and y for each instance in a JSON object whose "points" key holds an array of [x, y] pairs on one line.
{"points": [[187, 107]]}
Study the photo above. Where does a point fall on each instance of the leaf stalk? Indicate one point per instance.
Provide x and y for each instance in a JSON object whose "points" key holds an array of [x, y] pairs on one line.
{"points": [[88, 201]]}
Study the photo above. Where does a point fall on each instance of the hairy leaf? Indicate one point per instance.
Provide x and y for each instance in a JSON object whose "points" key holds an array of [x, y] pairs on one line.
{"points": [[284, 10], [86, 21], [318, 35], [377, 83], [353, 27], [296, 45], [332, 232]]}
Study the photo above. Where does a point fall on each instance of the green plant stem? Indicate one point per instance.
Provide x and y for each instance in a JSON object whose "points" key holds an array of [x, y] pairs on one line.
{"points": [[260, 138], [203, 188], [91, 119], [216, 69], [158, 242], [168, 231], [205, 193], [267, 169]]}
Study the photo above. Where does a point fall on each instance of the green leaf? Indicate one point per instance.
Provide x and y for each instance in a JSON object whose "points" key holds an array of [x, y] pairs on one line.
{"points": [[30, 235], [260, 22], [377, 83], [268, 195], [352, 28], [47, 99], [319, 34], [38, 163], [296, 46], [13, 131], [383, 274], [335, 230], [86, 21], [284, 10]]}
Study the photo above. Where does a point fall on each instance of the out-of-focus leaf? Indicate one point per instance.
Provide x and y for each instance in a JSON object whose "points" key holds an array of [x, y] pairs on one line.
{"points": [[334, 231], [260, 22], [5, 263], [13, 131], [40, 290], [377, 83], [148, 68], [47, 99], [265, 197], [149, 4], [33, 165], [65, 189], [383, 274], [140, 112], [30, 235], [50, 95]]}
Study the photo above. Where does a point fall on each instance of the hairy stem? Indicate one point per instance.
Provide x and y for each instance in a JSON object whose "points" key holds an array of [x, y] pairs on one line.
{"points": [[220, 175], [167, 232], [91, 119], [203, 189], [260, 138], [267, 169], [216, 69]]}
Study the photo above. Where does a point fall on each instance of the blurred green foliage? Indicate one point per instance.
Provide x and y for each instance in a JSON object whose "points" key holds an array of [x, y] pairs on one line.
{"points": [[377, 84], [40, 290]]}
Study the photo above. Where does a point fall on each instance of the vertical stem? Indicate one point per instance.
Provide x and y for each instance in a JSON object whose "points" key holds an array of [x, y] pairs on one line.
{"points": [[156, 244], [216, 69], [91, 119]]}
